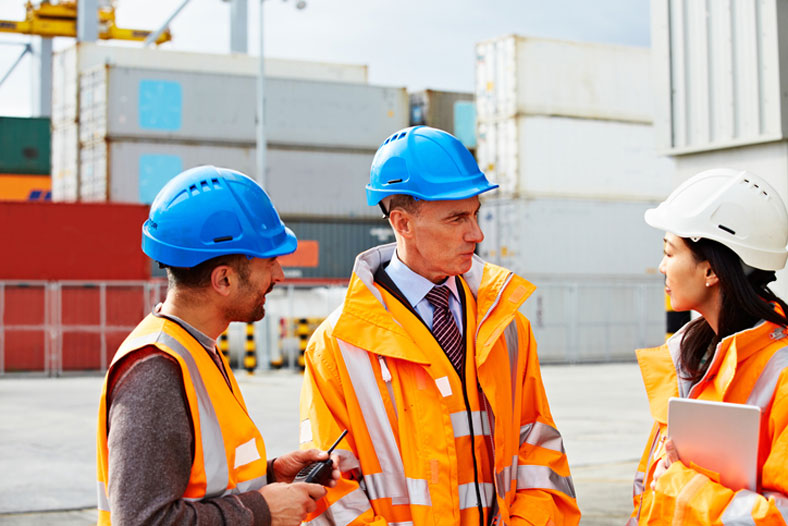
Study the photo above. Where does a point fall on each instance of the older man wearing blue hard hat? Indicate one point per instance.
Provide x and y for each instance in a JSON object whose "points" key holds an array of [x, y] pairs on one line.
{"points": [[176, 444]]}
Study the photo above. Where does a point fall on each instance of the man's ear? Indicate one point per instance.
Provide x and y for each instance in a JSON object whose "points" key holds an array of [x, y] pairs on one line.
{"points": [[222, 279], [402, 222]]}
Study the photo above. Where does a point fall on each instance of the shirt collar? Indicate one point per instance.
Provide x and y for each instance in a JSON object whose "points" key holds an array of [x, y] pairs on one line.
{"points": [[412, 285]]}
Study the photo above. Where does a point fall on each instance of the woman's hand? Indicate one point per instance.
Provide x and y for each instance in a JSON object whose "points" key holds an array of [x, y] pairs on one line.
{"points": [[671, 456]]}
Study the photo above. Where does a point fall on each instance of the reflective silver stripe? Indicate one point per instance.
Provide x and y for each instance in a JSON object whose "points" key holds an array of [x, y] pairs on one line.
{"points": [[391, 482], [250, 485], [347, 460], [639, 485], [781, 501], [459, 422], [739, 509], [542, 435], [214, 458], [378, 487], [344, 511], [506, 475], [103, 500], [467, 493], [542, 477], [513, 346], [632, 522], [763, 391]]}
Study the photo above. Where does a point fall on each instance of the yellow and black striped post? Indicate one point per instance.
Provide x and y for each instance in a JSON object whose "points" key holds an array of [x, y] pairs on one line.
{"points": [[277, 361], [224, 345], [674, 320], [303, 332], [250, 355]]}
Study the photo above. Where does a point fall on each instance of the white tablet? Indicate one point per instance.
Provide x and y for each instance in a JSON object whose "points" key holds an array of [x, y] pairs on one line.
{"points": [[717, 436]]}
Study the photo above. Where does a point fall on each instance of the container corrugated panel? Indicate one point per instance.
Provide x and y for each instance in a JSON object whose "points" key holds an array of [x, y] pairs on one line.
{"points": [[436, 108], [176, 105], [339, 243], [720, 73], [523, 75], [65, 162], [25, 145], [70, 62], [582, 320], [536, 156], [23, 347], [570, 237], [310, 182], [73, 241]]}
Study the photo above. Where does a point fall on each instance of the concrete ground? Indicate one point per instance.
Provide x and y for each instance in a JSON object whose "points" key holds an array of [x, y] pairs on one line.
{"points": [[47, 438]]}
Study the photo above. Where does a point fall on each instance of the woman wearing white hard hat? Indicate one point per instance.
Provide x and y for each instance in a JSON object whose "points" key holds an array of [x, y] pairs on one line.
{"points": [[726, 235]]}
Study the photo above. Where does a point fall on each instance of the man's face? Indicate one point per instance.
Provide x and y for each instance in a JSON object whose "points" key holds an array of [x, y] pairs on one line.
{"points": [[248, 303], [444, 237]]}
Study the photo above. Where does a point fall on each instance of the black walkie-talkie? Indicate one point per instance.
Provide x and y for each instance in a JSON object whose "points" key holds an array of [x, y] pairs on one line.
{"points": [[319, 472]]}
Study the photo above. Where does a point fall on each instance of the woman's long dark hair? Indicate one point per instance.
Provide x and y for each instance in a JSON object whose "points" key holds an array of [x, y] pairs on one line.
{"points": [[745, 301]]}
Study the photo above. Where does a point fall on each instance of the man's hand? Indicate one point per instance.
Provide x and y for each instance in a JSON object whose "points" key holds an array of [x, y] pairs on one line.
{"points": [[288, 465], [671, 456], [290, 503]]}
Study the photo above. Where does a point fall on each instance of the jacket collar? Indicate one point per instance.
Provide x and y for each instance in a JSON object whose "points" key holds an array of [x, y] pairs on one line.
{"points": [[660, 366], [498, 293]]}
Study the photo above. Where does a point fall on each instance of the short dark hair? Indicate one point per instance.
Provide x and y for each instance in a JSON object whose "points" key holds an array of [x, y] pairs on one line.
{"points": [[199, 276], [404, 202], [746, 299]]}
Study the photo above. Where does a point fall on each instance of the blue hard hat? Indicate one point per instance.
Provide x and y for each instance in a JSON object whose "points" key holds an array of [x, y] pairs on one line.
{"points": [[425, 163], [207, 212]]}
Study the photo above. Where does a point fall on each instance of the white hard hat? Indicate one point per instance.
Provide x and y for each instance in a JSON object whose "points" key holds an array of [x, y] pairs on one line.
{"points": [[736, 208]]}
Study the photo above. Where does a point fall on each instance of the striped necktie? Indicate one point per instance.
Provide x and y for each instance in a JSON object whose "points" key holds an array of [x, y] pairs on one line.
{"points": [[445, 329]]}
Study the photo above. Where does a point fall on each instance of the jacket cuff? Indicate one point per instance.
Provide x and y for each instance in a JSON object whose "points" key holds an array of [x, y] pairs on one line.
{"points": [[256, 503]]}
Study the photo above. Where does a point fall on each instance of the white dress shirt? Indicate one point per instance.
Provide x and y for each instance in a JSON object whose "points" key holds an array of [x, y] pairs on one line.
{"points": [[415, 287]]}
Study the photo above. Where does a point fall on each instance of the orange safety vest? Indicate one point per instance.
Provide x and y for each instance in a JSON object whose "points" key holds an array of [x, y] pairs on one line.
{"points": [[229, 454], [419, 440], [749, 367]]}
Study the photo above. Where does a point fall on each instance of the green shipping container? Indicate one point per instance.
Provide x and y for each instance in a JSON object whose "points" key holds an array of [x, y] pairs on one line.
{"points": [[25, 145]]}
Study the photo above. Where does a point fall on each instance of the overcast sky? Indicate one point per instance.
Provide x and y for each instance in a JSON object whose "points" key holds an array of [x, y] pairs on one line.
{"points": [[413, 43]]}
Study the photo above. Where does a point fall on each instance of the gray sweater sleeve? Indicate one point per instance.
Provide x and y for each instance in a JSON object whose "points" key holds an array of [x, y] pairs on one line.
{"points": [[150, 454]]}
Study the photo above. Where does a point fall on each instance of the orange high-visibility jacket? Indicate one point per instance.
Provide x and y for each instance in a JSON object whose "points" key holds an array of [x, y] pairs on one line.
{"points": [[229, 454], [419, 440], [749, 367]]}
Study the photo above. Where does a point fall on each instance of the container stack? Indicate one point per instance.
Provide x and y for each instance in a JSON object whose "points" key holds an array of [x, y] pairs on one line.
{"points": [[127, 120], [452, 111], [566, 130]]}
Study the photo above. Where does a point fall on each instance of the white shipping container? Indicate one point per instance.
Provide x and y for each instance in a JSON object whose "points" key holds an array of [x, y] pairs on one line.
{"points": [[123, 103], [721, 79], [300, 182], [522, 75], [577, 320], [69, 63], [570, 237], [535, 156], [65, 169]]}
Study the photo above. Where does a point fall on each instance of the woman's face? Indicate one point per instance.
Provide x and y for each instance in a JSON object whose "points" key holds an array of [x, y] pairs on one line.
{"points": [[685, 278]]}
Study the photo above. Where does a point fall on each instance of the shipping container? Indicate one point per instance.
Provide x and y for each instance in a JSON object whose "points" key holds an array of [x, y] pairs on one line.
{"points": [[69, 63], [585, 320], [307, 182], [720, 73], [534, 76], [25, 187], [52, 241], [339, 242], [24, 145], [65, 163], [143, 103], [769, 160], [570, 237], [452, 111], [538, 156]]}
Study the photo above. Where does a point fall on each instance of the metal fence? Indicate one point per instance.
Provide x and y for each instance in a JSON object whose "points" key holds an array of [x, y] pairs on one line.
{"points": [[52, 327]]}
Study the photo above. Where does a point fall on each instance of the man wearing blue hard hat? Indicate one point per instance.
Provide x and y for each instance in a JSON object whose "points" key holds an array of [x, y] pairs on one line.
{"points": [[176, 444], [430, 365]]}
